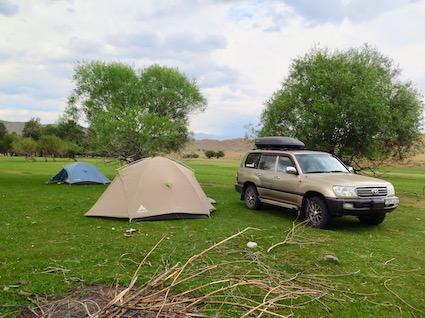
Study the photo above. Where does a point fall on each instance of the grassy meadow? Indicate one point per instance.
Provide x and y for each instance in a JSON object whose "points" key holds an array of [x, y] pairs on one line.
{"points": [[48, 247]]}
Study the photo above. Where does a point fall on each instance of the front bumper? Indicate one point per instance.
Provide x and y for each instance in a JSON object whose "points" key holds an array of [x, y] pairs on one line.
{"points": [[362, 206]]}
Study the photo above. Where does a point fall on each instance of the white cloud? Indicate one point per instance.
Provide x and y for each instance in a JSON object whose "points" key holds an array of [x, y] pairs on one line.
{"points": [[239, 51]]}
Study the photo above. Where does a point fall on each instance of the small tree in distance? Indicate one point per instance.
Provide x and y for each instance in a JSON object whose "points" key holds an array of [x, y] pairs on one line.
{"points": [[25, 146], [53, 146], [209, 153], [33, 129], [214, 154], [219, 154]]}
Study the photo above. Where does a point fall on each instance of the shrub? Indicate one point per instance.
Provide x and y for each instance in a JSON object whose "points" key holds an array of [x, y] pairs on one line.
{"points": [[209, 153], [191, 155]]}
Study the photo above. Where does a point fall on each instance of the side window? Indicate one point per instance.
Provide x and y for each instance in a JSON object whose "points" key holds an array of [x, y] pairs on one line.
{"points": [[268, 162], [283, 163], [252, 160]]}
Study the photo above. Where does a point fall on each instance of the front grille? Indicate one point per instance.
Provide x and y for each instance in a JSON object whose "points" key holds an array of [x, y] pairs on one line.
{"points": [[372, 192]]}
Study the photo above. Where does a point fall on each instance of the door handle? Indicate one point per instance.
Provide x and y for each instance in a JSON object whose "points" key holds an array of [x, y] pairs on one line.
{"points": [[276, 177]]}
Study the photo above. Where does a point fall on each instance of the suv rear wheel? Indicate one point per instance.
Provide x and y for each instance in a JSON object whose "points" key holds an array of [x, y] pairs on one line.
{"points": [[252, 201], [317, 213]]}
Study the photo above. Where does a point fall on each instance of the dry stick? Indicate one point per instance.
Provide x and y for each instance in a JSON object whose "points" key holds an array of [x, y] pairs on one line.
{"points": [[385, 284], [266, 296], [121, 294], [38, 306], [152, 284], [189, 278], [247, 307], [52, 269], [270, 303], [194, 257], [147, 255], [133, 279], [289, 237], [249, 300], [85, 306], [186, 292], [209, 268], [232, 286]]}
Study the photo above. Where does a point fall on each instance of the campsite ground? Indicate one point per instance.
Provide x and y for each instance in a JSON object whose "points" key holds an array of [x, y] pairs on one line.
{"points": [[49, 249]]}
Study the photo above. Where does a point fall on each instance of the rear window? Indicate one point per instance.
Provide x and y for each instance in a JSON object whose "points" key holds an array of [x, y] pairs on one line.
{"points": [[252, 160]]}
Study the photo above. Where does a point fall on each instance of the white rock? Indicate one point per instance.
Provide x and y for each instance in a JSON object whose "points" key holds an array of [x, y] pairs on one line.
{"points": [[331, 259], [252, 244]]}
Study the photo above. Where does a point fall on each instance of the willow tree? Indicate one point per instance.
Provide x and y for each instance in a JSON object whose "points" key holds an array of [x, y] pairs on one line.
{"points": [[133, 113], [351, 103]]}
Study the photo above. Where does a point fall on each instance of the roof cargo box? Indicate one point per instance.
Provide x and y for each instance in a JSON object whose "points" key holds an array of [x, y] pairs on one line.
{"points": [[278, 142]]}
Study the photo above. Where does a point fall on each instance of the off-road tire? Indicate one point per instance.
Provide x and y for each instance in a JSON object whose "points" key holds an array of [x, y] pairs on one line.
{"points": [[252, 200], [317, 213]]}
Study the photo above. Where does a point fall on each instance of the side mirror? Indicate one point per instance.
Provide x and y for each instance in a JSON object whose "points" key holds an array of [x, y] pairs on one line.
{"points": [[351, 169], [291, 170]]}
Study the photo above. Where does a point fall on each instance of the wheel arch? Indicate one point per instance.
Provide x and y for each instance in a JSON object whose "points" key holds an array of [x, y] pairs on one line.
{"points": [[310, 194], [246, 185]]}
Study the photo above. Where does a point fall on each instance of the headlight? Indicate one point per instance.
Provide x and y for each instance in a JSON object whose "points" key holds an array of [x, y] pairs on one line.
{"points": [[390, 190], [345, 191]]}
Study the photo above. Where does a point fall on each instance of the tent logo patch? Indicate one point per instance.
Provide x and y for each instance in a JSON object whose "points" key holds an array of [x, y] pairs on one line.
{"points": [[141, 209]]}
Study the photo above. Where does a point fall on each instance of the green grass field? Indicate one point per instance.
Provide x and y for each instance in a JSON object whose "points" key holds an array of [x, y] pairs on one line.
{"points": [[48, 247]]}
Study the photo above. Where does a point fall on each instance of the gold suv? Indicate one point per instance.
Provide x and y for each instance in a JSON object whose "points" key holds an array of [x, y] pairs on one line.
{"points": [[280, 171]]}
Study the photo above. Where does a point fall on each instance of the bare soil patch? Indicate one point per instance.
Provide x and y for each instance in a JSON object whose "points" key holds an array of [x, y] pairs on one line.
{"points": [[95, 302]]}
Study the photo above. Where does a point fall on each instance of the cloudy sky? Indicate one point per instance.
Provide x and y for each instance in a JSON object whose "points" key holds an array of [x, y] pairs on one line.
{"points": [[238, 51]]}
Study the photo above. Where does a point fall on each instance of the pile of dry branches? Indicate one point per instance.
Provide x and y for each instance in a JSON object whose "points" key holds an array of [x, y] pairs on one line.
{"points": [[247, 285]]}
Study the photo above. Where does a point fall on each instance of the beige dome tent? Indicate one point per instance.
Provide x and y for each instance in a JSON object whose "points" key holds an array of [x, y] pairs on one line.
{"points": [[153, 188]]}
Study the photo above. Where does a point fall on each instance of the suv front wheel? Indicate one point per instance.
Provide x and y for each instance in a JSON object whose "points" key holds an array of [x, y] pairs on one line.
{"points": [[317, 213], [252, 201]]}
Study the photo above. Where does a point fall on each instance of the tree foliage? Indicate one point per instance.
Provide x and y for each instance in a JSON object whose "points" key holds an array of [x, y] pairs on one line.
{"points": [[214, 154], [70, 130], [134, 113], [209, 153], [51, 146], [6, 143], [25, 146], [3, 130], [351, 103], [33, 129]]}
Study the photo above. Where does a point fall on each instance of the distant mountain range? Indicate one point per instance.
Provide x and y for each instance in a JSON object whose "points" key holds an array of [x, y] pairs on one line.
{"points": [[236, 144], [201, 136]]}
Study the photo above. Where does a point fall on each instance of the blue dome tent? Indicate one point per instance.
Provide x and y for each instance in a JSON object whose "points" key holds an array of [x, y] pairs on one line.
{"points": [[79, 173]]}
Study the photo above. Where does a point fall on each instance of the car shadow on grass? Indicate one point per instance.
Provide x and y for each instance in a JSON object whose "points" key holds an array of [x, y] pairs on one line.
{"points": [[345, 223]]}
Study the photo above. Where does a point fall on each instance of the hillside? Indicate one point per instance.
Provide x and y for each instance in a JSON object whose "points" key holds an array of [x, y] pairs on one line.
{"points": [[13, 126], [238, 144], [233, 148]]}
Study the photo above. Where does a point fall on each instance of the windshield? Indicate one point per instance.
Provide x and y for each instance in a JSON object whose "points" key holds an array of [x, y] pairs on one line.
{"points": [[320, 163]]}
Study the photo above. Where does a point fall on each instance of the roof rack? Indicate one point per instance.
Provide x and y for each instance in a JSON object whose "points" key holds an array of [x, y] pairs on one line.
{"points": [[278, 143]]}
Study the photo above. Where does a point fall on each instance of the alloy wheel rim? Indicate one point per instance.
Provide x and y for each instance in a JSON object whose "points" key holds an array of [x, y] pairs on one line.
{"points": [[314, 212]]}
